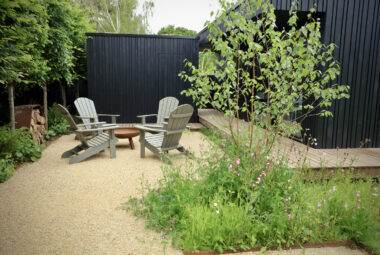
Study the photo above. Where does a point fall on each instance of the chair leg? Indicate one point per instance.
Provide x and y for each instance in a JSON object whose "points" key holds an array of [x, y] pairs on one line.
{"points": [[88, 153], [181, 149], [71, 152], [113, 148], [142, 144]]}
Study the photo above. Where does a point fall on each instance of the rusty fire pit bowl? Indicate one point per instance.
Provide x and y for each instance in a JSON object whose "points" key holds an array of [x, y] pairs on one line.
{"points": [[124, 133]]}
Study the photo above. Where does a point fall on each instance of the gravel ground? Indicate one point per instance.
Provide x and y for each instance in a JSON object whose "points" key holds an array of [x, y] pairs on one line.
{"points": [[51, 207]]}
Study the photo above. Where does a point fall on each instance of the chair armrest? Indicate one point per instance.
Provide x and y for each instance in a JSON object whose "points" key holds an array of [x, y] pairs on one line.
{"points": [[143, 121], [143, 128], [108, 127], [85, 117], [92, 123], [146, 115], [113, 116], [110, 115]]}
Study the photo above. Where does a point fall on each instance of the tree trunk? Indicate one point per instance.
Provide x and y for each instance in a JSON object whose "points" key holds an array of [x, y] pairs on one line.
{"points": [[63, 93], [76, 88], [44, 88], [11, 105]]}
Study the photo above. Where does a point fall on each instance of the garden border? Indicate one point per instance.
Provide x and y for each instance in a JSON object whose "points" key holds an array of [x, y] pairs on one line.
{"points": [[351, 244]]}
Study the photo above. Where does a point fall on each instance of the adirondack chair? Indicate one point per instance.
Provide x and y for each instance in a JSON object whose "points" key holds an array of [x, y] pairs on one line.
{"points": [[92, 146], [168, 137], [165, 107], [87, 112]]}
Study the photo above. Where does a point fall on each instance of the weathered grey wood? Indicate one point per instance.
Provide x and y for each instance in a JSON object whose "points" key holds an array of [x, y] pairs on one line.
{"points": [[168, 136], [92, 146], [165, 107], [142, 143], [87, 112], [86, 108]]}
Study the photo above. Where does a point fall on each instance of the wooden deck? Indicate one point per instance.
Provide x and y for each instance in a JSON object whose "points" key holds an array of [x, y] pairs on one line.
{"points": [[359, 160]]}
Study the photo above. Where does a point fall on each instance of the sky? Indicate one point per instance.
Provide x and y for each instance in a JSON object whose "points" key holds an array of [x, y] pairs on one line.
{"points": [[191, 14]]}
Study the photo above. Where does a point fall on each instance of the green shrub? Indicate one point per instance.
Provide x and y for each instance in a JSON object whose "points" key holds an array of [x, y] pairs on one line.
{"points": [[18, 145], [225, 202], [57, 123], [6, 169]]}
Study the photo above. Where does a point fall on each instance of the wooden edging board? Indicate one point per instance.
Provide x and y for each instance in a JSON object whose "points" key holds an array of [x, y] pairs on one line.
{"points": [[349, 244]]}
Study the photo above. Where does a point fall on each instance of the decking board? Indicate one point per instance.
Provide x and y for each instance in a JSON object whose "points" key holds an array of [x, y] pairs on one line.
{"points": [[366, 160]]}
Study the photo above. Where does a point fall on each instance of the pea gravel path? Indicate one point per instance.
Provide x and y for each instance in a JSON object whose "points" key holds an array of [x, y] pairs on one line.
{"points": [[51, 207]]}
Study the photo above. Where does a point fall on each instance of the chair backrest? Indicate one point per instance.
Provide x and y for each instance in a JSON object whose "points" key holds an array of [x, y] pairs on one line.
{"points": [[86, 108], [178, 119], [65, 113], [165, 107]]}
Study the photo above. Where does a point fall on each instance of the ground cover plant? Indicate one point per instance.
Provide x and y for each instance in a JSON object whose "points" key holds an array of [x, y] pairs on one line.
{"points": [[241, 192], [57, 123], [16, 147]]}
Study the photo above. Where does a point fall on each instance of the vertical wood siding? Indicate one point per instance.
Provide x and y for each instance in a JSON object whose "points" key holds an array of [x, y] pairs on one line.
{"points": [[354, 26], [129, 74]]}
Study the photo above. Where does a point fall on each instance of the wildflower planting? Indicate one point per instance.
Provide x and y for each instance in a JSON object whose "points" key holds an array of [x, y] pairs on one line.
{"points": [[224, 202], [240, 193]]}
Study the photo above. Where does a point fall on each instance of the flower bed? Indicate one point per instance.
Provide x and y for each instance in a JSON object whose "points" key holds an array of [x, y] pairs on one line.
{"points": [[225, 202]]}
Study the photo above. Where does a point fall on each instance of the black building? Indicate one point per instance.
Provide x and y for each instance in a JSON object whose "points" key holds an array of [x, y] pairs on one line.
{"points": [[354, 26], [129, 74]]}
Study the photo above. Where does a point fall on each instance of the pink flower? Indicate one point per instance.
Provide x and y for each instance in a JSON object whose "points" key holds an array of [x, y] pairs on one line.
{"points": [[319, 205], [238, 161], [238, 174], [289, 216], [231, 167], [357, 207], [267, 165], [253, 185], [258, 180], [223, 144], [263, 173], [345, 206], [324, 154], [358, 200], [375, 188]]}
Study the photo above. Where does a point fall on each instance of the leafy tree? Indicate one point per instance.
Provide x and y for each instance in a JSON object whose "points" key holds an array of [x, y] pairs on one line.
{"points": [[118, 16], [65, 52], [172, 30], [80, 25], [255, 57], [22, 36], [207, 62]]}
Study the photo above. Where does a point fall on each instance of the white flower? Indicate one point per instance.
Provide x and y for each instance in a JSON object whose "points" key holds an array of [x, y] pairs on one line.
{"points": [[215, 204], [334, 189], [217, 211]]}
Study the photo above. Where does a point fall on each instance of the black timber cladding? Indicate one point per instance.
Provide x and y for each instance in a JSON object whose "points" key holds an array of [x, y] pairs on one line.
{"points": [[354, 26], [129, 74]]}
